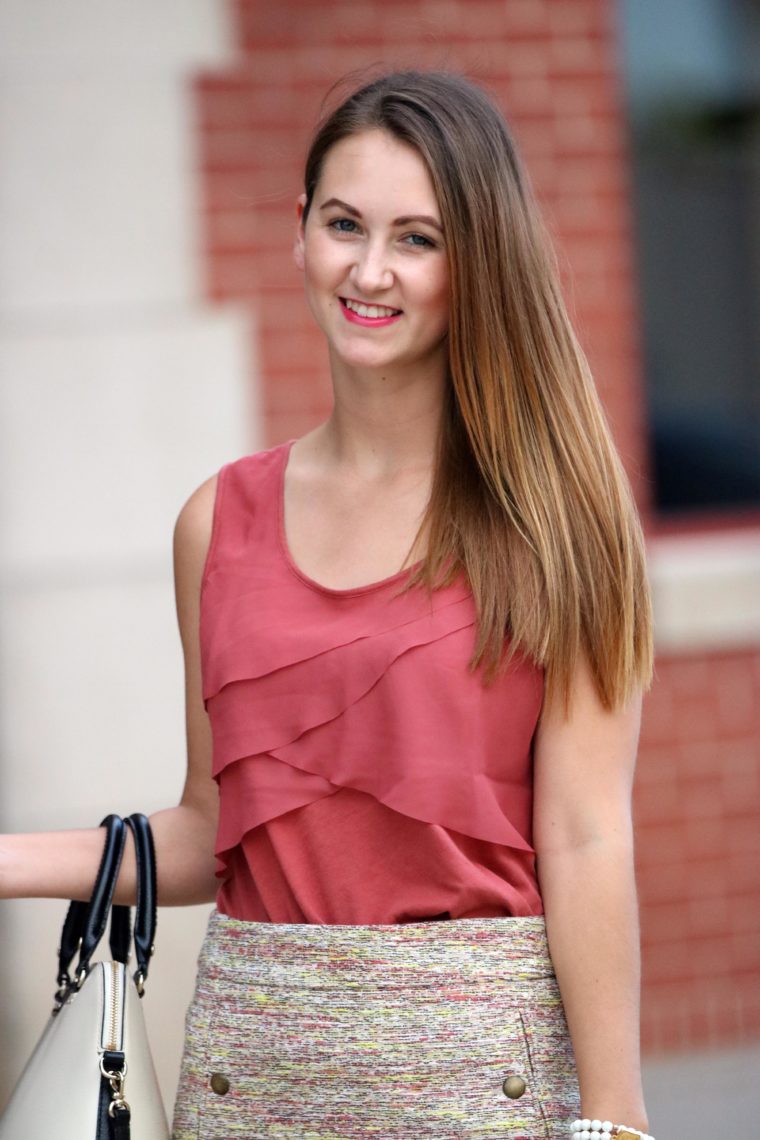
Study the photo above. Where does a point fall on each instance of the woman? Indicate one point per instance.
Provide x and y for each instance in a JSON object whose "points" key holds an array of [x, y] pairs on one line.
{"points": [[413, 707]]}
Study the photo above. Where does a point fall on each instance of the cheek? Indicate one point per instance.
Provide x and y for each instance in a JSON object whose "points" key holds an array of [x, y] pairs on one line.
{"points": [[436, 283], [438, 296], [320, 281], [322, 260]]}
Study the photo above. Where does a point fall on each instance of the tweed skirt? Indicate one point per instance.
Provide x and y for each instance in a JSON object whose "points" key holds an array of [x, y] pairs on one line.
{"points": [[431, 1029]]}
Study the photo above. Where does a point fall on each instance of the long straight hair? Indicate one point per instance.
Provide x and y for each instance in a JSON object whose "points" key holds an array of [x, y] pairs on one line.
{"points": [[529, 499]]}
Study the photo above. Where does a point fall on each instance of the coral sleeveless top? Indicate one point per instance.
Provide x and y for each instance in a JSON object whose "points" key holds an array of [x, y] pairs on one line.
{"points": [[366, 774]]}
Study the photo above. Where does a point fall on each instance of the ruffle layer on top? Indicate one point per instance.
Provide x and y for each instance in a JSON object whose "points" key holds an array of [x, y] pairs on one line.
{"points": [[310, 690]]}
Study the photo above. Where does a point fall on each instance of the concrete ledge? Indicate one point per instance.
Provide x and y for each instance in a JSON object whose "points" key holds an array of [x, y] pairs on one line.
{"points": [[706, 591], [703, 1095]]}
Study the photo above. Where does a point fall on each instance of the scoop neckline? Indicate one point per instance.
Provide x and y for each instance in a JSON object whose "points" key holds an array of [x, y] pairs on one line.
{"points": [[295, 569]]}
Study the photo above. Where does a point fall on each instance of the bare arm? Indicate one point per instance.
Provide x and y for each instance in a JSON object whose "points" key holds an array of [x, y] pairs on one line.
{"points": [[62, 864], [583, 836]]}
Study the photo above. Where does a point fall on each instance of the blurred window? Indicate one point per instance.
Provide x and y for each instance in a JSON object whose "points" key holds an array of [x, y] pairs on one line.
{"points": [[692, 73]]}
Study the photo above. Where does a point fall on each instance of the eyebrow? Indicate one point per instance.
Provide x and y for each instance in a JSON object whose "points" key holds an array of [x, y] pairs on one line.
{"points": [[404, 221]]}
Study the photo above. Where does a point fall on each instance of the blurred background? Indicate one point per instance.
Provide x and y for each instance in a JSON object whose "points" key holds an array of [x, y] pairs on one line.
{"points": [[152, 326]]}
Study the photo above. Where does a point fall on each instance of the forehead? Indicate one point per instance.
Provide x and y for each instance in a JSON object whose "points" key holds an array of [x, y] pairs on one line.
{"points": [[379, 168]]}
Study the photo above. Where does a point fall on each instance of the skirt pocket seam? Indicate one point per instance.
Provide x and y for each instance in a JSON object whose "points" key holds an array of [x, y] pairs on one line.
{"points": [[536, 1082]]}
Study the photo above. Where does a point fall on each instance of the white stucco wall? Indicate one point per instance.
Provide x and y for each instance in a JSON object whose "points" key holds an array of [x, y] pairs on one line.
{"points": [[120, 390]]}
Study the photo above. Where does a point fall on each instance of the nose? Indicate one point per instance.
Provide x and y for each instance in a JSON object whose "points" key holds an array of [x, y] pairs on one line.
{"points": [[371, 272]]}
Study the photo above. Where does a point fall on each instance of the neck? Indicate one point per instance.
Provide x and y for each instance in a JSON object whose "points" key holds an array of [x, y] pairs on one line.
{"points": [[383, 421]]}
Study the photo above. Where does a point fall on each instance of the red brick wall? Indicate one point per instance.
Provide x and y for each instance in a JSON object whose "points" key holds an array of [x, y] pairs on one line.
{"points": [[553, 66], [698, 832]]}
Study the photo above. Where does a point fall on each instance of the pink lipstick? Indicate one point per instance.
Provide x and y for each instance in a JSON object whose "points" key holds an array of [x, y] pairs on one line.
{"points": [[367, 322]]}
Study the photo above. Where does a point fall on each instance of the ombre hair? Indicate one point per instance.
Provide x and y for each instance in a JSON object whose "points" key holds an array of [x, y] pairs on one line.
{"points": [[529, 499]]}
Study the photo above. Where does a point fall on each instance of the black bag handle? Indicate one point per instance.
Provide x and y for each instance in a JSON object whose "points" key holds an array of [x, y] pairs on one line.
{"points": [[146, 914], [85, 922]]}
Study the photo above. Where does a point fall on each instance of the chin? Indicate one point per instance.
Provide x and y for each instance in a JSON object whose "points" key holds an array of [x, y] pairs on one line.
{"points": [[363, 359]]}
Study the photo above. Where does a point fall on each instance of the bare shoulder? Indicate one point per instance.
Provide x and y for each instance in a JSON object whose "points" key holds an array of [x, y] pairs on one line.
{"points": [[192, 536], [192, 531]]}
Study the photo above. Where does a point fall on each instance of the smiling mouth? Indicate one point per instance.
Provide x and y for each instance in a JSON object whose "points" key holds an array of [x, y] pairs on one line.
{"points": [[370, 312]]}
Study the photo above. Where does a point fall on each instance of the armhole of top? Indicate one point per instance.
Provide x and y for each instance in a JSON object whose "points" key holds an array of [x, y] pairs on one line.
{"points": [[216, 524]]}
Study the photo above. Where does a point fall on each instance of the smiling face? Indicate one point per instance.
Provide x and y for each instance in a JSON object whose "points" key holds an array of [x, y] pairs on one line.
{"points": [[373, 256]]}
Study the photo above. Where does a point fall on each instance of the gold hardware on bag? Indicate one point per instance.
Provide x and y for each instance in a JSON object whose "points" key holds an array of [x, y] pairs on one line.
{"points": [[116, 1079]]}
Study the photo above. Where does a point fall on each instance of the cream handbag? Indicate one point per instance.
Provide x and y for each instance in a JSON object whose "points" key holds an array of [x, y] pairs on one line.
{"points": [[91, 1075]]}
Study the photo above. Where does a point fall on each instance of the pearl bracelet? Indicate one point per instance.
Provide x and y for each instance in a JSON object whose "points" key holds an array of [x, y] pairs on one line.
{"points": [[604, 1129]]}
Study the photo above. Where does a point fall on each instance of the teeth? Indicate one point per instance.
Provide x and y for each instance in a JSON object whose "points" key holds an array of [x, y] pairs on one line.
{"points": [[371, 311]]}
